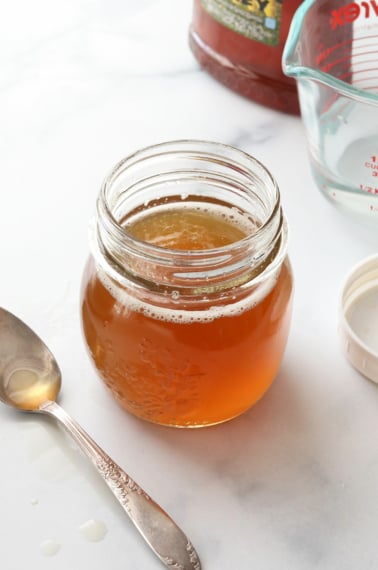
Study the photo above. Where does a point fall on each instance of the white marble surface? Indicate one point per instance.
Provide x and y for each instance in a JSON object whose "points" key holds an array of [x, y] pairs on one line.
{"points": [[292, 484]]}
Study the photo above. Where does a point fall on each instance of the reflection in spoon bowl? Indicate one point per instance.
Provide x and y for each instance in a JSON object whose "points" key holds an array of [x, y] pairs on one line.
{"points": [[27, 386]]}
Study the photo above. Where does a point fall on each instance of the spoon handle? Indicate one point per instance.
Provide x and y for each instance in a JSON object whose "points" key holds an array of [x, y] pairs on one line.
{"points": [[162, 534]]}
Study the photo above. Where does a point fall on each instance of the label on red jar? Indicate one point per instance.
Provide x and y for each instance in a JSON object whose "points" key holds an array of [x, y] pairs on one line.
{"points": [[258, 20]]}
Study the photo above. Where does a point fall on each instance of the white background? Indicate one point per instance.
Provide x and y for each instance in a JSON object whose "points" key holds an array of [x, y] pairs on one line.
{"points": [[292, 484]]}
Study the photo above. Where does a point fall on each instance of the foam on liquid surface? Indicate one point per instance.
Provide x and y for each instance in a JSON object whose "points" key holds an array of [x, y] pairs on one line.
{"points": [[193, 228]]}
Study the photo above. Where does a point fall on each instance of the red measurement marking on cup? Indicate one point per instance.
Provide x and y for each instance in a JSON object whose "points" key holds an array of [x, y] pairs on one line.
{"points": [[369, 189], [372, 164], [349, 51], [324, 53]]}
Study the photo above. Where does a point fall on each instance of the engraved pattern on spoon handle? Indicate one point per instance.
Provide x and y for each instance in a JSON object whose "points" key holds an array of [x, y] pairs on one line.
{"points": [[162, 534]]}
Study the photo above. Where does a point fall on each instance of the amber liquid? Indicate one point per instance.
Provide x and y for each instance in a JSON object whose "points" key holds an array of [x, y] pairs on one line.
{"points": [[174, 368]]}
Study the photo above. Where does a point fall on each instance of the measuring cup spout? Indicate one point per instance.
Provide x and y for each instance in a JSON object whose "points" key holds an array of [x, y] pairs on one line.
{"points": [[293, 53], [307, 46], [324, 45]]}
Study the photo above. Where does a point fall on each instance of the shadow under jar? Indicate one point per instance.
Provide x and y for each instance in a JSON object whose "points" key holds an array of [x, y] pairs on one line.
{"points": [[186, 296]]}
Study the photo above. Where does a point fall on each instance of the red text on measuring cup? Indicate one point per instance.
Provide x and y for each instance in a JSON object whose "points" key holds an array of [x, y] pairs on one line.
{"points": [[350, 13]]}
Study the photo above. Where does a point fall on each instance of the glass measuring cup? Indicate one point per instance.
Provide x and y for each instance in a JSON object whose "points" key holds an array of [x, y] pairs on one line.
{"points": [[332, 52]]}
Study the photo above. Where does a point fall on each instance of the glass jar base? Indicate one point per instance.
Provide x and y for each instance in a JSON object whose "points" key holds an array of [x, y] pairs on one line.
{"points": [[281, 96], [181, 423], [189, 424]]}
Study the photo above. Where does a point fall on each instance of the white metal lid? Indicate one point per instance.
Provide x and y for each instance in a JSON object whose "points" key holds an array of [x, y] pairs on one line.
{"points": [[358, 324]]}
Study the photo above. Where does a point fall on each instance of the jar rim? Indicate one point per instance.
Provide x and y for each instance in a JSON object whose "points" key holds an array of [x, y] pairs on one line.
{"points": [[214, 174], [181, 147]]}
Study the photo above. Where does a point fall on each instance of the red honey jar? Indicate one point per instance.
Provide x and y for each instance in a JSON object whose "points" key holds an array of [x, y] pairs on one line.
{"points": [[240, 43]]}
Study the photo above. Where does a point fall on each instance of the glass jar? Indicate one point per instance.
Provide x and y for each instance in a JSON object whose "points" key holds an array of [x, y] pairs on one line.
{"points": [[240, 43], [186, 295]]}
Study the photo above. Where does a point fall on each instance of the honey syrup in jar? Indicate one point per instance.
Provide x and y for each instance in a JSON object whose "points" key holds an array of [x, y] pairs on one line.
{"points": [[186, 296]]}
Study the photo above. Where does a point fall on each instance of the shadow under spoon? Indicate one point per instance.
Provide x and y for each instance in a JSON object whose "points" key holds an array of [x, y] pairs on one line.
{"points": [[30, 380]]}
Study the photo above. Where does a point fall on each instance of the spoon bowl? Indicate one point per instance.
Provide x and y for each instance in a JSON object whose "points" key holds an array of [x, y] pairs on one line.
{"points": [[29, 373], [30, 380]]}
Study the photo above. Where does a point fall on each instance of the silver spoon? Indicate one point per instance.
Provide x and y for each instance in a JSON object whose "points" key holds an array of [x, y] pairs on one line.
{"points": [[30, 380]]}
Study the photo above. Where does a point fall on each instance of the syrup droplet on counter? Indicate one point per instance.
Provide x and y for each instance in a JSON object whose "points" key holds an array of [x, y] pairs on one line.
{"points": [[49, 547], [93, 530]]}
